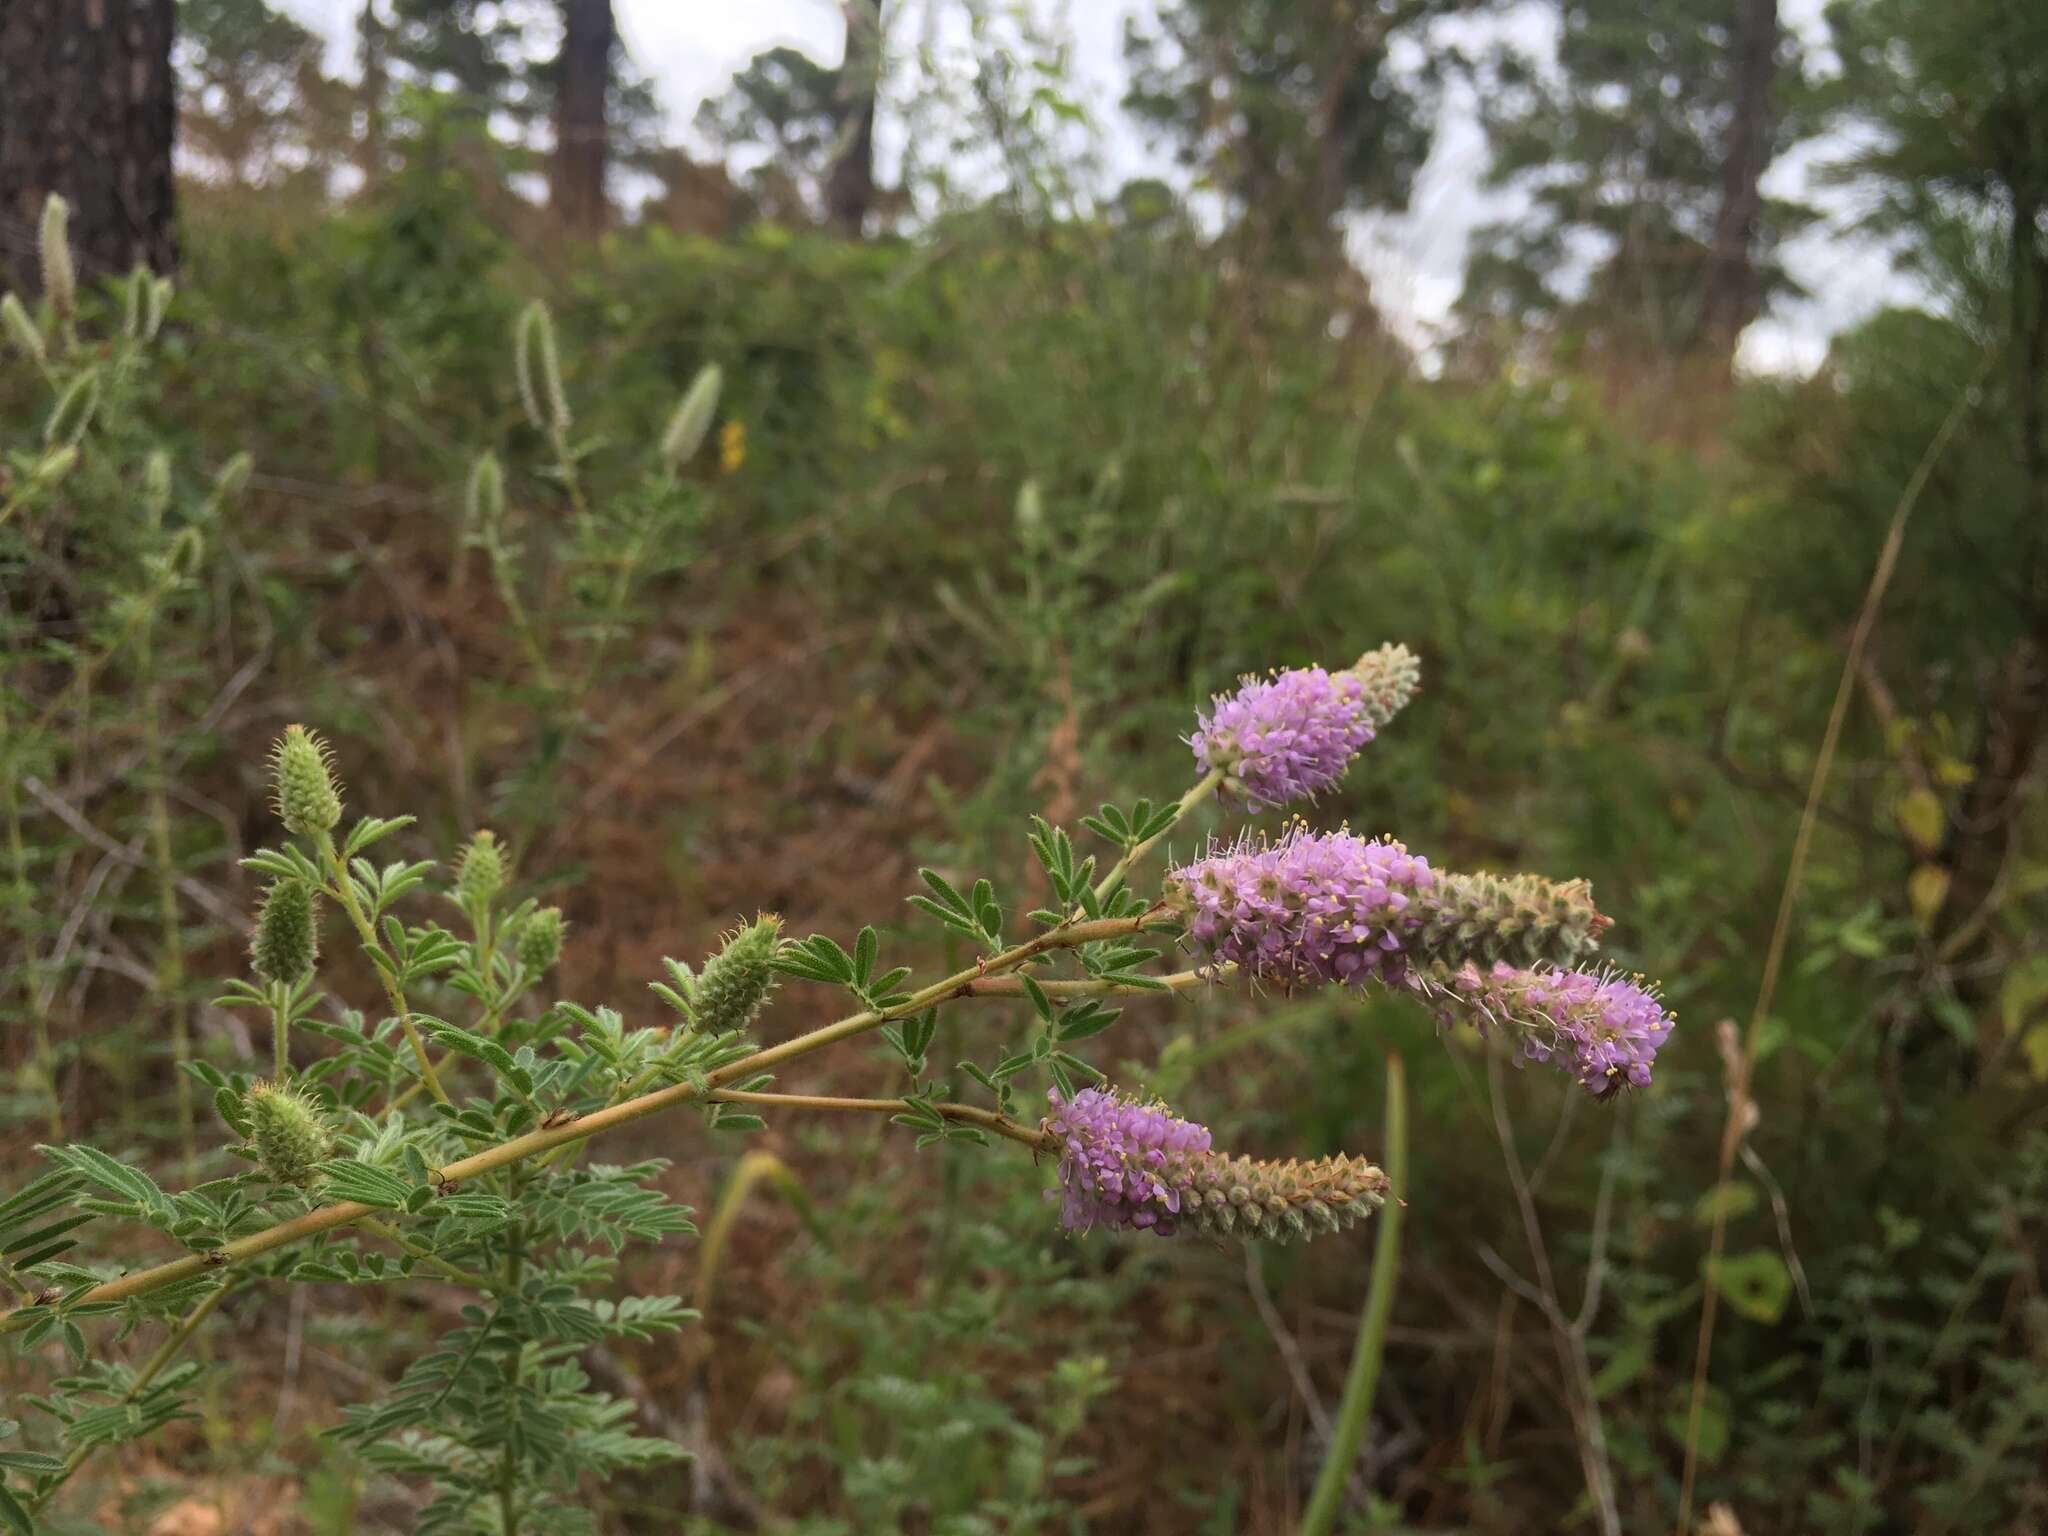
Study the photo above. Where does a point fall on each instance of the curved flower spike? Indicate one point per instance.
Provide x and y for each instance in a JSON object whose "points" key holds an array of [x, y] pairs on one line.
{"points": [[1129, 1165], [1601, 1028]]}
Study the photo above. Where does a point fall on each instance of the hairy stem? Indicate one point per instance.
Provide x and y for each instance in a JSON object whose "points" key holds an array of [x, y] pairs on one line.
{"points": [[329, 1218], [345, 892], [967, 1114]]}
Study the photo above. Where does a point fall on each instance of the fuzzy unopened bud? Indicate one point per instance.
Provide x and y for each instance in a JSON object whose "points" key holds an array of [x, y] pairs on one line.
{"points": [[288, 1132], [52, 467], [21, 330], [154, 303], [735, 983], [692, 418], [74, 410], [287, 942], [134, 298], [480, 872], [60, 278], [540, 941], [483, 505], [233, 476], [303, 789], [539, 370], [1389, 675], [156, 485]]}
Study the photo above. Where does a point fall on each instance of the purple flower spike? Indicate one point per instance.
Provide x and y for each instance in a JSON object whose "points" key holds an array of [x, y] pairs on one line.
{"points": [[1285, 738], [1604, 1029], [1126, 1165], [1310, 908]]}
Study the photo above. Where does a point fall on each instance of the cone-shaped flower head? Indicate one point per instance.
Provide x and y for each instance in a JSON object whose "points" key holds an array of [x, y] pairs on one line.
{"points": [[1603, 1029], [1312, 907], [1484, 919], [288, 1131], [480, 872], [1389, 677], [540, 941], [303, 788], [60, 277], [1284, 738], [734, 984], [1333, 906], [287, 942], [1125, 1164]]}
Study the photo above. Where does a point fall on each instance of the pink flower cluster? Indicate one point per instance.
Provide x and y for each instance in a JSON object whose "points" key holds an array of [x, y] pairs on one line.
{"points": [[1285, 738], [1604, 1029]]}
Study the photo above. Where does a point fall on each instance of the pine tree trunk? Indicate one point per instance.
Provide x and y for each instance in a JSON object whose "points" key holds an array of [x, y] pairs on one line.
{"points": [[850, 189], [583, 82], [1730, 301], [87, 110], [372, 49]]}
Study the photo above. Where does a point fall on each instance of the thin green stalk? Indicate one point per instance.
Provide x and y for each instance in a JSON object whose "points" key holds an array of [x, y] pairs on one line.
{"points": [[1204, 787], [180, 1336], [345, 892], [508, 1465], [280, 1031], [21, 898], [426, 1255], [329, 1218], [1328, 1498]]}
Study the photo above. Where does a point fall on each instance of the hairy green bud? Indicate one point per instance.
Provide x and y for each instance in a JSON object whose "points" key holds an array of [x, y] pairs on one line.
{"points": [[233, 476], [483, 508], [303, 789], [287, 942], [156, 485], [692, 419], [288, 1132], [480, 872], [60, 278], [21, 329], [540, 941], [734, 985], [74, 410], [154, 303], [1390, 675], [540, 370]]}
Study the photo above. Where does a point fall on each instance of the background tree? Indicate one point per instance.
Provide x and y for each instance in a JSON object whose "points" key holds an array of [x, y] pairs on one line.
{"points": [[1291, 108], [87, 110], [583, 75], [801, 141], [257, 107], [1642, 153]]}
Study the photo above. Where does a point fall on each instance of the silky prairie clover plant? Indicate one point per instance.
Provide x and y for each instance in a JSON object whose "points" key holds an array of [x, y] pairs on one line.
{"points": [[445, 1131]]}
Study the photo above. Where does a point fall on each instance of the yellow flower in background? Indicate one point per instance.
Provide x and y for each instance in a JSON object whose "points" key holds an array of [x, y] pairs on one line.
{"points": [[732, 447]]}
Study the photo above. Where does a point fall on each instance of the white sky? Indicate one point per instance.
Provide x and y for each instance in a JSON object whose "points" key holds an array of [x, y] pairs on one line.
{"points": [[692, 49]]}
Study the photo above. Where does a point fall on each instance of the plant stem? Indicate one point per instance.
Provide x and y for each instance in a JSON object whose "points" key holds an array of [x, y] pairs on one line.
{"points": [[1320, 1517], [181, 1335], [345, 893], [1204, 787], [967, 1114], [21, 899], [508, 1465], [426, 1255], [329, 1218], [280, 1031]]}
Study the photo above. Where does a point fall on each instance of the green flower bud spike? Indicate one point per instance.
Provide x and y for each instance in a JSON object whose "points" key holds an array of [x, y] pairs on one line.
{"points": [[303, 789], [480, 872], [288, 1133], [729, 993], [287, 943], [60, 278], [1390, 675], [692, 419], [540, 941], [21, 330]]}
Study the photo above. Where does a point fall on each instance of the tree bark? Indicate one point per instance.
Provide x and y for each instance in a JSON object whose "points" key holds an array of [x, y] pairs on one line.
{"points": [[88, 110], [582, 140], [850, 188], [372, 50], [1730, 301]]}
